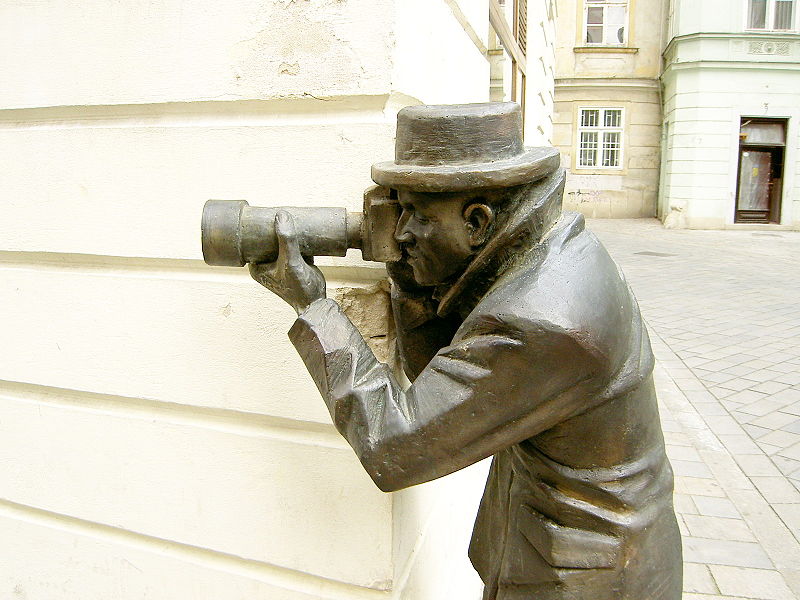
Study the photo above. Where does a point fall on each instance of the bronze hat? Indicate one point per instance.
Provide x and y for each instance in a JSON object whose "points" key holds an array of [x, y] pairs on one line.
{"points": [[449, 148]]}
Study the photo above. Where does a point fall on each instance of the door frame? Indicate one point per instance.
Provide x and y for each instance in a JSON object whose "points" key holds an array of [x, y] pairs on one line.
{"points": [[773, 213]]}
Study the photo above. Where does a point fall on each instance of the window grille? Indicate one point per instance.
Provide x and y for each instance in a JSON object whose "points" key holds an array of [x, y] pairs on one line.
{"points": [[600, 138]]}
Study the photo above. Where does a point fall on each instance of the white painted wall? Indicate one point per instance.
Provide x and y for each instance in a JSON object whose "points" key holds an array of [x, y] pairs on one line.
{"points": [[160, 437], [712, 78]]}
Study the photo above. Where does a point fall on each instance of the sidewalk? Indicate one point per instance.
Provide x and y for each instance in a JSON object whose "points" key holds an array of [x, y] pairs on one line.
{"points": [[723, 311]]}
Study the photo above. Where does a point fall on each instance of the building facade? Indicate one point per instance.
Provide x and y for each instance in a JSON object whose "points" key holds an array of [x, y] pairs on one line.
{"points": [[607, 118], [731, 110], [160, 436]]}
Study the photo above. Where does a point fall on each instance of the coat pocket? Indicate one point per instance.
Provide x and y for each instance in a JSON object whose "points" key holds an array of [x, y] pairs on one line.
{"points": [[568, 547]]}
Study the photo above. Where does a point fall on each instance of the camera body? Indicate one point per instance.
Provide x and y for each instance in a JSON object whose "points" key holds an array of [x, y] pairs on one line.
{"points": [[234, 233]]}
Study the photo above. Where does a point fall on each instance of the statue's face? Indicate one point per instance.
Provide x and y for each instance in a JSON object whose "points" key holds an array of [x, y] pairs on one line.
{"points": [[437, 234]]}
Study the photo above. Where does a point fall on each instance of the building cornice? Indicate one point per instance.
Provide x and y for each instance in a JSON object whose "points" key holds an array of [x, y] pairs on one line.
{"points": [[748, 65], [719, 35], [602, 82]]}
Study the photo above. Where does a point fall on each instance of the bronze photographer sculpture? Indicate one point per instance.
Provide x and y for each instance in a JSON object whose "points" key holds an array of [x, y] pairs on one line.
{"points": [[523, 342]]}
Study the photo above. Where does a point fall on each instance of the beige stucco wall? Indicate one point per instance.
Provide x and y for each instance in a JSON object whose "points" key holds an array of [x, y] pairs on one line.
{"points": [[160, 436], [611, 77]]}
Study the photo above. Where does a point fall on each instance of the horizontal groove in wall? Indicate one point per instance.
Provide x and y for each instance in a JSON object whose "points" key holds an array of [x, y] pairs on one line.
{"points": [[217, 419], [204, 113], [334, 268], [271, 574]]}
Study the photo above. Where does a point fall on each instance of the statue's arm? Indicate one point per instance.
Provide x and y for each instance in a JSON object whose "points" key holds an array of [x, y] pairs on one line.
{"points": [[492, 389]]}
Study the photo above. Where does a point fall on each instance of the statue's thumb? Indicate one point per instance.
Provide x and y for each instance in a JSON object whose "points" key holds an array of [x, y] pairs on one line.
{"points": [[287, 237]]}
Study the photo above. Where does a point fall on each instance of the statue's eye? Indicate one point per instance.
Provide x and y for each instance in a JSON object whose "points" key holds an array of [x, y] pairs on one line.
{"points": [[421, 219]]}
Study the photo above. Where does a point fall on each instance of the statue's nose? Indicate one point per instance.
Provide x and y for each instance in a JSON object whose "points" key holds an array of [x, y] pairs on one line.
{"points": [[401, 233]]}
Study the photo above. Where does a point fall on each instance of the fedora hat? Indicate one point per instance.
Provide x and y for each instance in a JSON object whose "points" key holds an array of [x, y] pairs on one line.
{"points": [[449, 148]]}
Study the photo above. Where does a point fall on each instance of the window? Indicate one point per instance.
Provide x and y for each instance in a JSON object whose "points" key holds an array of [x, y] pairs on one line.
{"points": [[772, 15], [600, 138], [605, 22]]}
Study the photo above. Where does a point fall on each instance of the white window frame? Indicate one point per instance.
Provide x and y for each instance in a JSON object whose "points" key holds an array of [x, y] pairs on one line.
{"points": [[601, 130], [770, 19], [605, 4]]}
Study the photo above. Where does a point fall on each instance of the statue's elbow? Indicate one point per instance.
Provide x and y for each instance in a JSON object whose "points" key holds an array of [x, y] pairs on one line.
{"points": [[386, 475]]}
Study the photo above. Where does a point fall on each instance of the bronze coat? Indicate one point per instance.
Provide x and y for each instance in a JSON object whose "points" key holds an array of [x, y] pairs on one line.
{"points": [[549, 370]]}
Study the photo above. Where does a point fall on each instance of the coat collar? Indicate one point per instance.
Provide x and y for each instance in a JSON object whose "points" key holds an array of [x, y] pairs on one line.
{"points": [[528, 223]]}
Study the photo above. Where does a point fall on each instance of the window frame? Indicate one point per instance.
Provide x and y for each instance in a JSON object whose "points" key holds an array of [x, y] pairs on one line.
{"points": [[587, 4], [770, 17], [600, 129]]}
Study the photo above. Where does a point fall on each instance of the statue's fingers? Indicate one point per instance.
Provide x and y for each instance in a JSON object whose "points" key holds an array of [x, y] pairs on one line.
{"points": [[288, 245], [264, 273]]}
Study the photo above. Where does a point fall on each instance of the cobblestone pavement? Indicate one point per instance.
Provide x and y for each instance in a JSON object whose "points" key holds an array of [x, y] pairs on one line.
{"points": [[723, 310]]}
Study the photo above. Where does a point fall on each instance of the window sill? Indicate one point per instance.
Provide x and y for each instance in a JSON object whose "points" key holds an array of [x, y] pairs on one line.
{"points": [[772, 31], [604, 50], [598, 170]]}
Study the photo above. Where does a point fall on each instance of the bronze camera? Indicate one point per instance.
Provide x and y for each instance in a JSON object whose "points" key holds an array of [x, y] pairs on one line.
{"points": [[235, 233]]}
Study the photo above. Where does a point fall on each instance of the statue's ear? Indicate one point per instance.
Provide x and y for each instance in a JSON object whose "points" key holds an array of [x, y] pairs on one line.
{"points": [[478, 219]]}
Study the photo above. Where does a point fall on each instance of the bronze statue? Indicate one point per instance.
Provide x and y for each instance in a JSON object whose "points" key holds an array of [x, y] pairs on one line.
{"points": [[523, 342]]}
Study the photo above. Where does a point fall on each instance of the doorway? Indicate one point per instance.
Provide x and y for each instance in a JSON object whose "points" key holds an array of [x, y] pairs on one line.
{"points": [[762, 144]]}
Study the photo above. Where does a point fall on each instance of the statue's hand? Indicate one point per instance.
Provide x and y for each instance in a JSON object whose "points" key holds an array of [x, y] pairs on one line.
{"points": [[291, 277]]}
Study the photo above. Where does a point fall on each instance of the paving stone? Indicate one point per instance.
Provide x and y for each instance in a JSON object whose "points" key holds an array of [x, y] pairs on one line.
{"points": [[751, 583], [720, 392], [791, 377], [715, 507], [681, 525], [757, 466], [723, 552], [758, 363], [713, 377], [687, 468], [734, 369], [695, 396], [718, 528], [710, 408], [684, 504], [677, 438], [743, 418], [762, 407], [690, 384], [769, 449], [781, 438], [789, 514], [692, 596], [697, 487], [792, 409], [791, 395], [738, 385], [776, 489], [683, 453], [697, 578], [784, 367], [792, 452], [740, 444], [770, 387], [794, 426], [723, 365], [775, 420], [786, 465], [723, 424], [754, 431], [761, 375]]}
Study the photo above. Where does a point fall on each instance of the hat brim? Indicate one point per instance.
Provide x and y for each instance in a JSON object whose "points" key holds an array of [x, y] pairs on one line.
{"points": [[530, 166]]}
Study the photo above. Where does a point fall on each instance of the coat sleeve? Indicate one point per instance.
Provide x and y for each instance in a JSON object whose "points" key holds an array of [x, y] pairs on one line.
{"points": [[501, 383]]}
